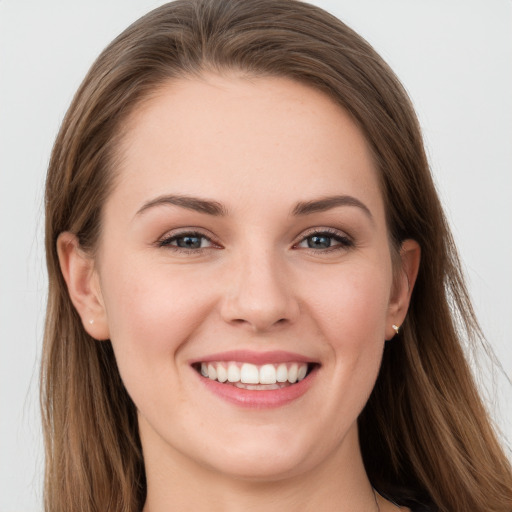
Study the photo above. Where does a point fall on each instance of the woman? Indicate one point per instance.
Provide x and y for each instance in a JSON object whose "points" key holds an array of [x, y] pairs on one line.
{"points": [[254, 295]]}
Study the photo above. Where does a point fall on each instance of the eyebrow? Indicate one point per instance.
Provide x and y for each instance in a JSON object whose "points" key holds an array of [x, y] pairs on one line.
{"points": [[327, 203], [215, 208], [191, 203]]}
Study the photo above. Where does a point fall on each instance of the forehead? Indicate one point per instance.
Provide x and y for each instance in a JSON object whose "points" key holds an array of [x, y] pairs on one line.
{"points": [[232, 137]]}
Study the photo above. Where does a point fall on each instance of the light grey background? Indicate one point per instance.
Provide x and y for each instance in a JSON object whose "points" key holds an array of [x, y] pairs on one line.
{"points": [[454, 57]]}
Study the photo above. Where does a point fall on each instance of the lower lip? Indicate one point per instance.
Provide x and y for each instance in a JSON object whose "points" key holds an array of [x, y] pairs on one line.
{"points": [[259, 399]]}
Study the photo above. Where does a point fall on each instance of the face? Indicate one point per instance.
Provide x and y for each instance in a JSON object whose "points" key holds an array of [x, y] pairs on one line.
{"points": [[244, 276]]}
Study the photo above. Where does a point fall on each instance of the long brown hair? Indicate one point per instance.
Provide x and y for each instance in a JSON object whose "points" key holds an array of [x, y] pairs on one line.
{"points": [[425, 435]]}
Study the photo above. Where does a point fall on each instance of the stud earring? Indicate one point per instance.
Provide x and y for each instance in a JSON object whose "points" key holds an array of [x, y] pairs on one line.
{"points": [[396, 328]]}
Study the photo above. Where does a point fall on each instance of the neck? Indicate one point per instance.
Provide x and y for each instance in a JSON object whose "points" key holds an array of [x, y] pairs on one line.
{"points": [[176, 482]]}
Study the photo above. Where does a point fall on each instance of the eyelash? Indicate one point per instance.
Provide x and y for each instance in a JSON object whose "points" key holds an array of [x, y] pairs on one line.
{"points": [[166, 242], [343, 241]]}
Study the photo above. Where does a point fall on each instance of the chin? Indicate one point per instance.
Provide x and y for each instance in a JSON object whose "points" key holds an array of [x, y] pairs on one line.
{"points": [[266, 467], [268, 454]]}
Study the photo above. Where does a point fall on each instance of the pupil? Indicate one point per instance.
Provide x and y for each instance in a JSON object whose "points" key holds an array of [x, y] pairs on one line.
{"points": [[189, 242], [319, 242]]}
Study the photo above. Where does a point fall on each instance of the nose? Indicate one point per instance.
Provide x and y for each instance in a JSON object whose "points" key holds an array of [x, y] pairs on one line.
{"points": [[259, 296]]}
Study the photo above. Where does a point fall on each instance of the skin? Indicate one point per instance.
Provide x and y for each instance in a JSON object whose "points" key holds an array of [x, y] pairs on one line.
{"points": [[257, 147]]}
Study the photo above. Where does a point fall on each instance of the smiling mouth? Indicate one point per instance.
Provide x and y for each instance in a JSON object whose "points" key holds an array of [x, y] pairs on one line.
{"points": [[255, 377]]}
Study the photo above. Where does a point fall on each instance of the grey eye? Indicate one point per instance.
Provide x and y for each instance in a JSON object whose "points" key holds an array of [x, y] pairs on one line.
{"points": [[325, 240], [189, 241], [319, 241]]}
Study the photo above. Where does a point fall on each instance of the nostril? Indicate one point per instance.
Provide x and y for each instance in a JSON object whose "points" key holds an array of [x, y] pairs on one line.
{"points": [[260, 304], [259, 323]]}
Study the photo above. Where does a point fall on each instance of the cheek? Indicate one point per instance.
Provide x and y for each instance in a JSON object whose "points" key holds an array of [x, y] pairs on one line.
{"points": [[152, 313], [356, 300], [351, 314], [354, 324]]}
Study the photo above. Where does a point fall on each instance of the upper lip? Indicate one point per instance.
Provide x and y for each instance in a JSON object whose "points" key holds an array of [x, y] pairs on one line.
{"points": [[258, 358]]}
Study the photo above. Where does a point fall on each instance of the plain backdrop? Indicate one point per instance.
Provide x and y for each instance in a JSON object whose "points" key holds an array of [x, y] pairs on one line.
{"points": [[453, 56]]}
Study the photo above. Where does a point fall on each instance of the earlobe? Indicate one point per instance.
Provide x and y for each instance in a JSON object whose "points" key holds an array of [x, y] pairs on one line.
{"points": [[83, 285], [410, 255]]}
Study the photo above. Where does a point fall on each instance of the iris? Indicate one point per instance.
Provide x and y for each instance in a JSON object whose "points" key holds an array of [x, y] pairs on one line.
{"points": [[319, 241]]}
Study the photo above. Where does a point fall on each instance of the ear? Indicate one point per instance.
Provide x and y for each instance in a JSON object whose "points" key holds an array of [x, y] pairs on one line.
{"points": [[83, 285], [410, 254]]}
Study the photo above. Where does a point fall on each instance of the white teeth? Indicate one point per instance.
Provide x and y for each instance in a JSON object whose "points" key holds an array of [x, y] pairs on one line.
{"points": [[267, 374], [282, 373], [301, 373], [212, 372], [258, 387], [222, 373], [251, 376], [292, 373], [233, 373]]}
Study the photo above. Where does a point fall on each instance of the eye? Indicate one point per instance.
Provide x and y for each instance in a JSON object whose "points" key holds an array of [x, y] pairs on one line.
{"points": [[325, 240], [186, 241]]}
